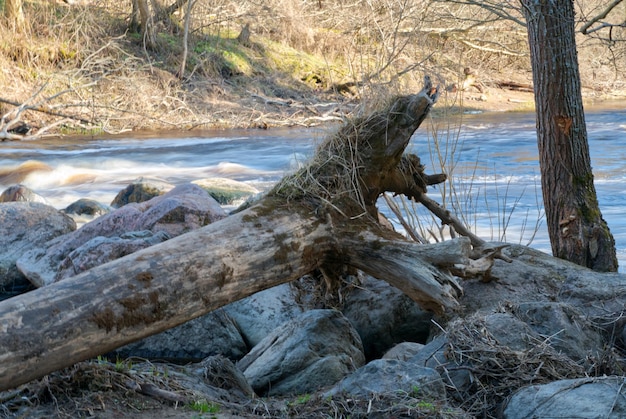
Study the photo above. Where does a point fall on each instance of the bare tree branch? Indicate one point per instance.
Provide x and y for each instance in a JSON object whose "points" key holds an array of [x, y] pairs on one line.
{"points": [[586, 27]]}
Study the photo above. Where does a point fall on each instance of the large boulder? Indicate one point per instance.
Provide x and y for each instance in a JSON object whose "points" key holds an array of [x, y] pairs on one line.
{"points": [[212, 334], [100, 250], [24, 226], [258, 315], [567, 329], [599, 397], [315, 350], [183, 209]]}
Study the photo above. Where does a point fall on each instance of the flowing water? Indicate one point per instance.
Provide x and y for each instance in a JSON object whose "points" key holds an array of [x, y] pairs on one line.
{"points": [[492, 159]]}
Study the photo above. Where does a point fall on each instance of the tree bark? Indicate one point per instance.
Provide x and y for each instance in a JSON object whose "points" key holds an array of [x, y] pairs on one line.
{"points": [[577, 231], [305, 223], [147, 24], [14, 14]]}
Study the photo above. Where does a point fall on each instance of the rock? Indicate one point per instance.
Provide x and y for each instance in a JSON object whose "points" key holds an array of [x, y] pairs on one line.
{"points": [[220, 373], [585, 291], [259, 314], [140, 191], [500, 326], [227, 191], [21, 193], [600, 397], [316, 349], [183, 209], [24, 226], [212, 334], [89, 207], [566, 329], [100, 250], [435, 355], [384, 316], [390, 376], [534, 276], [403, 351]]}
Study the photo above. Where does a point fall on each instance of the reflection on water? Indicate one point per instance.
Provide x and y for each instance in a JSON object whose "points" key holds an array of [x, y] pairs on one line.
{"points": [[492, 159]]}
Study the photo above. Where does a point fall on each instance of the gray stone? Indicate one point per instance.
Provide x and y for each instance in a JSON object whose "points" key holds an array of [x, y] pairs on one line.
{"points": [[601, 397], [316, 349], [435, 355], [564, 327], [223, 375], [100, 250], [87, 207], [599, 294], [211, 334], [510, 331], [403, 351], [183, 209], [384, 316], [259, 314], [141, 190], [24, 226], [390, 376], [21, 193]]}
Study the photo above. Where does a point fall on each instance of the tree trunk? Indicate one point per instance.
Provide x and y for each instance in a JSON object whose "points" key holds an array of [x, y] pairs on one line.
{"points": [[578, 232], [321, 217], [183, 60], [14, 14], [147, 24]]}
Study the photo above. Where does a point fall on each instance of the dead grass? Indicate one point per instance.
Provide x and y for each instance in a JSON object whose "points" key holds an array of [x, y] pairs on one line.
{"points": [[497, 371], [108, 390], [83, 59]]}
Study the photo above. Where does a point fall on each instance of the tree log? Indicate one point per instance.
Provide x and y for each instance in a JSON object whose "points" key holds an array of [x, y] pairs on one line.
{"points": [[320, 217]]}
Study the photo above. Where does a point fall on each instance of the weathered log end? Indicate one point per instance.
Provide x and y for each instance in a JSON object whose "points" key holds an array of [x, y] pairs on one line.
{"points": [[364, 158]]}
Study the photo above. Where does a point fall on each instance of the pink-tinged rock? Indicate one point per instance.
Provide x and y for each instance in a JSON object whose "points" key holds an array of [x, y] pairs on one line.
{"points": [[182, 209]]}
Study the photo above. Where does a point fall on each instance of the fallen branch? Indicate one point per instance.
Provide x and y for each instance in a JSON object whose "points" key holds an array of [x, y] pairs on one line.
{"points": [[11, 119]]}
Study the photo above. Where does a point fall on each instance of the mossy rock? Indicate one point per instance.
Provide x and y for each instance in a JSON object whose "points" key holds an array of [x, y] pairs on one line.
{"points": [[140, 190], [227, 191]]}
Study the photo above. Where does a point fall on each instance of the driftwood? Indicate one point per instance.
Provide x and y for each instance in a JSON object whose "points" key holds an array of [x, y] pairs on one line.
{"points": [[322, 217]]}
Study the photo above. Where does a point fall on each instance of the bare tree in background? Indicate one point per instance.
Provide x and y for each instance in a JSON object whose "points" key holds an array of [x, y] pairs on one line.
{"points": [[607, 21], [577, 230], [14, 14], [183, 60]]}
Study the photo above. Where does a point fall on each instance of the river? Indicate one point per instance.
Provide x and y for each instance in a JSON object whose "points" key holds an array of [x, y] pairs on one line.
{"points": [[492, 159]]}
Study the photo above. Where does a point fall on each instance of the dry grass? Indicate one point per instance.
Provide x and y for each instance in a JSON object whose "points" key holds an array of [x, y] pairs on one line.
{"points": [[497, 371], [107, 390], [301, 53]]}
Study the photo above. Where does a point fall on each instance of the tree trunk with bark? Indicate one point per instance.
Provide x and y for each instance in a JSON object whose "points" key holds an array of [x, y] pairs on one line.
{"points": [[322, 217], [147, 24], [14, 13], [578, 232]]}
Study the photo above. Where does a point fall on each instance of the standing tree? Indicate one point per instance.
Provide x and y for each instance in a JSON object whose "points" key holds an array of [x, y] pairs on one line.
{"points": [[577, 230], [14, 14]]}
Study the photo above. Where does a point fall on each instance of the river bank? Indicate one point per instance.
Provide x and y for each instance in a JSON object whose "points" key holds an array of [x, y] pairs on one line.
{"points": [[292, 70]]}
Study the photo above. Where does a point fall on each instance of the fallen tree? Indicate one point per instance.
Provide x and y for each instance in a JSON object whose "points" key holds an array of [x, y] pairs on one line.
{"points": [[322, 217]]}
